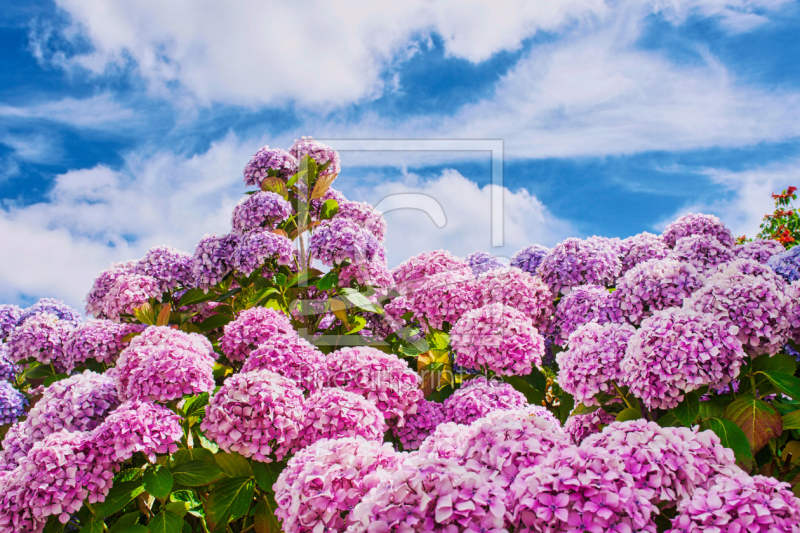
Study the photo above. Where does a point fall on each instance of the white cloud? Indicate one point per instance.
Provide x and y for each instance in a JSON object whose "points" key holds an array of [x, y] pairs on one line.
{"points": [[96, 111]]}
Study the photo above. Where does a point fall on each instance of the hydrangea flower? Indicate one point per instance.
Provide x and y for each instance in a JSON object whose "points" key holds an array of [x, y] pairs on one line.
{"points": [[98, 340], [343, 239], [128, 292], [787, 264], [53, 307], [697, 225], [539, 412], [592, 360], [654, 285], [579, 262], [383, 378], [677, 351], [213, 259], [429, 493], [580, 489], [374, 273], [578, 427], [704, 252], [260, 246], [292, 357], [279, 162], [172, 268], [9, 318], [138, 426], [41, 337], [315, 205], [12, 404], [96, 299], [251, 328], [750, 267], [321, 153], [583, 304], [529, 258], [756, 308], [759, 250], [518, 289], [498, 338], [335, 413], [640, 248], [8, 370], [756, 504], [482, 262], [445, 441], [324, 482], [419, 425], [365, 216], [257, 414], [443, 298], [480, 396], [260, 210], [416, 271]]}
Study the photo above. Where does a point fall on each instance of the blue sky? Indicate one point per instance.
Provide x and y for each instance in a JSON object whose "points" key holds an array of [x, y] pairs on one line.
{"points": [[125, 124]]}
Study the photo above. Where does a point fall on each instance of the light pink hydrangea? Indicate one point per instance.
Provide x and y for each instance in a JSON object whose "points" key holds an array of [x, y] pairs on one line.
{"points": [[583, 304], [95, 300], [591, 363], [446, 441], [697, 224], [172, 268], [128, 292], [97, 340], [320, 153], [419, 425], [480, 396], [213, 259], [640, 248], [443, 298], [415, 271], [579, 262], [138, 427], [677, 351], [498, 338], [250, 329], [759, 250], [322, 483], [578, 427], [374, 273], [42, 338], [365, 215], [334, 413], [516, 288], [292, 357], [750, 267], [703, 252]]}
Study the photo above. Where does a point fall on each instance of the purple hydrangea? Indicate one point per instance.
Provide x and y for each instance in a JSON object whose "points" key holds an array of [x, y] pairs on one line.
{"points": [[591, 363], [704, 252], [8, 370], [250, 329], [419, 425], [756, 504], [383, 378], [256, 414], [334, 413], [580, 426], [654, 285], [415, 271], [213, 259], [138, 426], [9, 318], [482, 262], [292, 357], [98, 340], [259, 247], [787, 264], [677, 351], [583, 304], [268, 161], [697, 225], [750, 267], [50, 306], [518, 289], [172, 268], [343, 239], [324, 482], [12, 404], [128, 292], [640, 248], [579, 262], [260, 210], [498, 338], [365, 216], [321, 153], [444, 298], [96, 299], [756, 308], [529, 258], [478, 397], [580, 489], [374, 273], [315, 205], [759, 250], [16, 444], [40, 337]]}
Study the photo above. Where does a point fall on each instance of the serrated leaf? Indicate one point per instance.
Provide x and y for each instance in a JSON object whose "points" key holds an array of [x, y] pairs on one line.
{"points": [[229, 499], [195, 296], [785, 383], [94, 525], [261, 295], [264, 518], [179, 508], [49, 380], [668, 420], [137, 528], [158, 481], [224, 296], [780, 362], [196, 473], [145, 314], [266, 474], [629, 413], [53, 525], [689, 409], [758, 420], [356, 299], [165, 522], [581, 409], [192, 454], [731, 436], [129, 474], [439, 340], [328, 281], [120, 495], [302, 277], [39, 372], [296, 177], [196, 405], [329, 209], [791, 420], [233, 464], [214, 322], [533, 396], [276, 185], [126, 520]]}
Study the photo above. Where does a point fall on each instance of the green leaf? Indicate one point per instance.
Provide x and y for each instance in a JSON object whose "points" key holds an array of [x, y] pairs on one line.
{"points": [[229, 499], [581, 409], [357, 323], [195, 296], [129, 474], [715, 406], [256, 298], [356, 299], [196, 405], [158, 481], [224, 296], [133, 529], [94, 525], [234, 464], [329, 209], [785, 383], [779, 362], [281, 279], [53, 525], [328, 281], [758, 419], [689, 409], [439, 340], [630, 413], [179, 508], [731, 437], [668, 420], [196, 473], [533, 396], [267, 474], [264, 518], [126, 520], [188, 497], [297, 176], [39, 371], [791, 420], [165, 522], [193, 454], [120, 495], [214, 322], [302, 277], [52, 379]]}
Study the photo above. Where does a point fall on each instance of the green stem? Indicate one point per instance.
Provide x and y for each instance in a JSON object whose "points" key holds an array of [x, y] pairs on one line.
{"points": [[753, 384], [621, 395]]}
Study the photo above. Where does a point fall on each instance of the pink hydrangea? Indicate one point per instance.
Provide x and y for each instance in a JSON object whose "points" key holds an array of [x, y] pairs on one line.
{"points": [[269, 161], [9, 317], [415, 271], [250, 329], [42, 338], [750, 267], [95, 300], [446, 441], [640, 248], [579, 262], [322, 483], [677, 351], [759, 250], [261, 247], [213, 259], [591, 363], [260, 210], [257, 414], [383, 378], [128, 292], [365, 215], [374, 273], [343, 239], [320, 153], [757, 308], [480, 396], [498, 338], [419, 425], [443, 298], [518, 289], [578, 427], [541, 412], [704, 252], [654, 285], [292, 357], [580, 489], [172, 268], [53, 307], [16, 443], [583, 304], [138, 427], [697, 224], [756, 504], [98, 340], [334, 413]]}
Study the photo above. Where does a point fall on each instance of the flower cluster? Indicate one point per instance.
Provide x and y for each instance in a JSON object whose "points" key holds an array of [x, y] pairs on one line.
{"points": [[640, 248], [580, 426], [98, 340], [415, 271], [760, 250], [703, 252], [518, 289], [419, 425], [375, 273], [172, 268], [12, 404], [529, 258], [749, 267], [258, 247], [138, 426], [334, 413], [257, 414], [127, 292], [697, 224], [677, 351], [579, 262], [9, 318], [253, 327], [260, 210], [787, 264], [482, 262], [445, 441], [444, 298], [96, 299], [53, 307], [591, 364], [213, 259], [269, 162], [8, 370], [365, 215], [292, 357], [343, 239], [583, 304], [320, 153], [480, 396], [497, 338], [40, 337]]}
